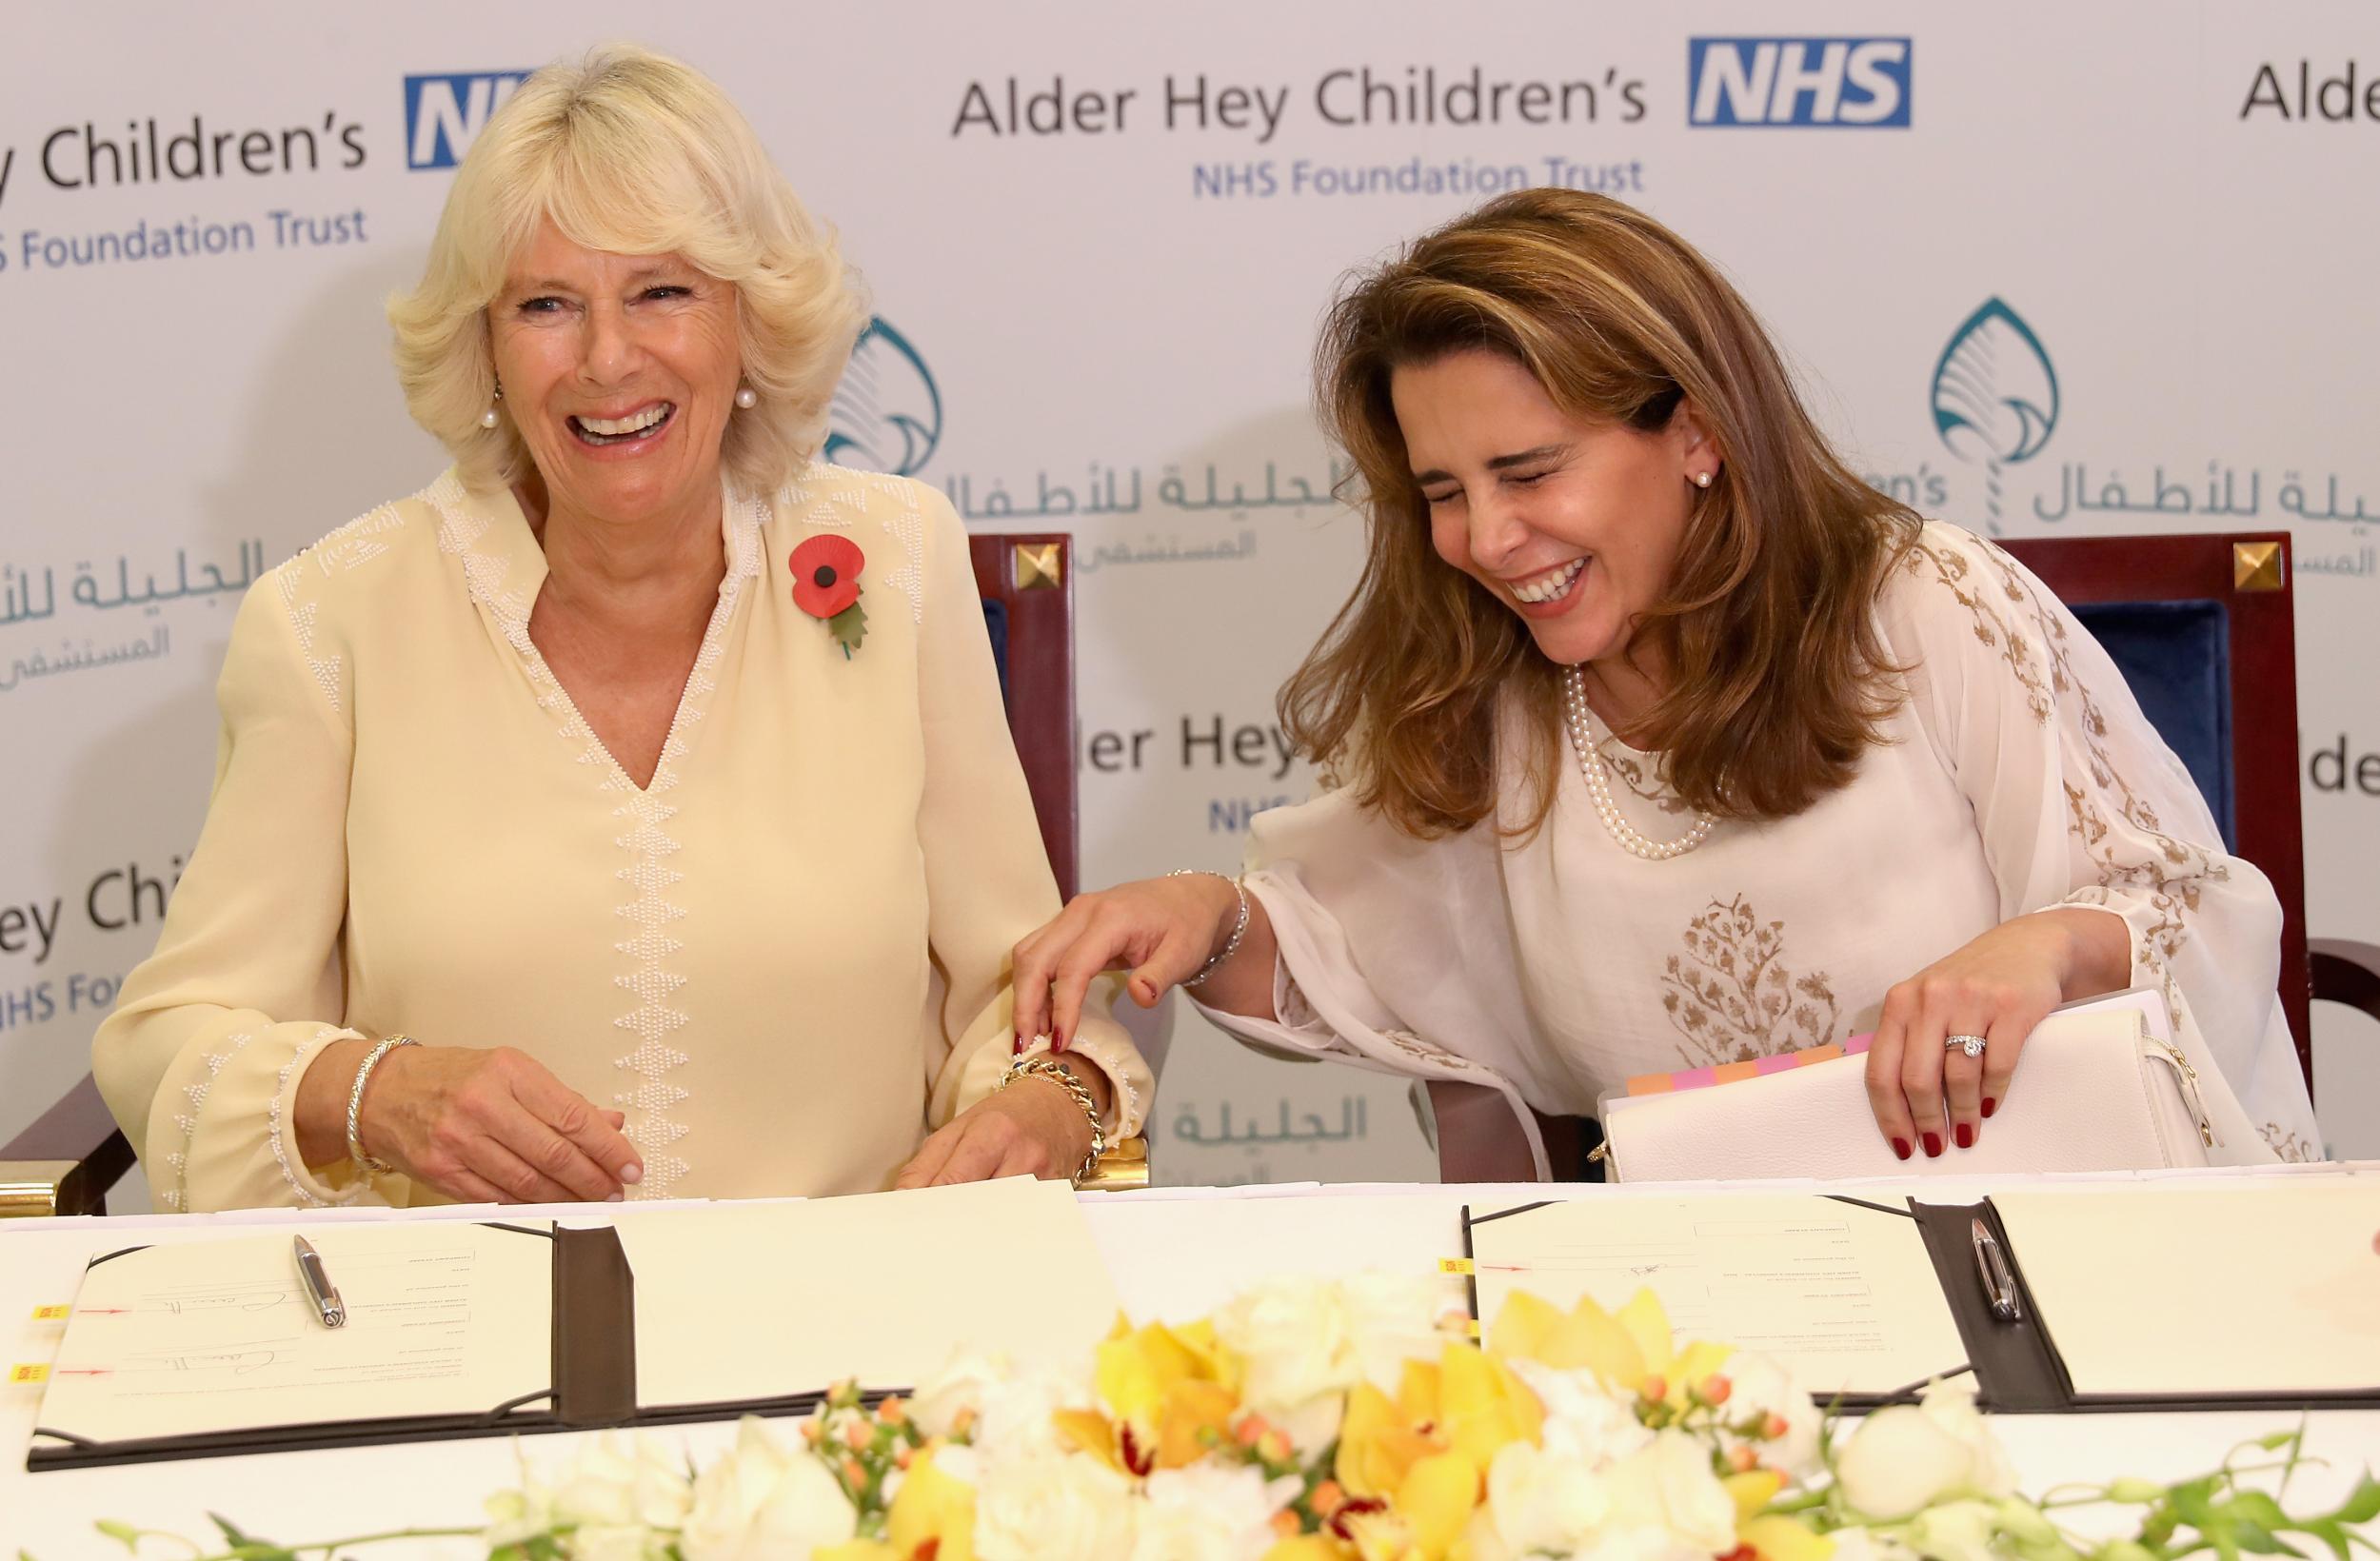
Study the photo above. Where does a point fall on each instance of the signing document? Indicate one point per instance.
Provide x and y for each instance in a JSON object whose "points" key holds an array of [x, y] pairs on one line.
{"points": [[1841, 1292], [2205, 1292], [196, 1339]]}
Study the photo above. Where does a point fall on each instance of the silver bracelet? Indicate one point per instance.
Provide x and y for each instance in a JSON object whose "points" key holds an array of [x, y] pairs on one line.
{"points": [[1061, 1076], [364, 1162], [1238, 931]]}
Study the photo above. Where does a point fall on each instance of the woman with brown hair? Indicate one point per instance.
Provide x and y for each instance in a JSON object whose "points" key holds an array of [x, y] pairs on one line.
{"points": [[1659, 739]]}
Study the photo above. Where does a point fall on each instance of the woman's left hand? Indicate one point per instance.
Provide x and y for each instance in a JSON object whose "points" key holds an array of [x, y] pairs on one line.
{"points": [[1999, 986], [1033, 1127]]}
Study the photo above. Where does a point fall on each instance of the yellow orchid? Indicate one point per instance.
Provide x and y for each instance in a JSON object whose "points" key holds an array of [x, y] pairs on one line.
{"points": [[1483, 1405], [1773, 1537], [1308, 1548], [1630, 1351], [1136, 1369], [933, 1509], [856, 1549], [1165, 1397]]}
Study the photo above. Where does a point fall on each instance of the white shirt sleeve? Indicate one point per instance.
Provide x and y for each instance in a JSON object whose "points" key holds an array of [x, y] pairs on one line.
{"points": [[2079, 802]]}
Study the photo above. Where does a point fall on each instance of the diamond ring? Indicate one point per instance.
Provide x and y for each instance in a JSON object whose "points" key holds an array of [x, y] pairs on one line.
{"points": [[1972, 1045]]}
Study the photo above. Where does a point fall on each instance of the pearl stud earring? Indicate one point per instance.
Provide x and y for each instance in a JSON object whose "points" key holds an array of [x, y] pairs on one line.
{"points": [[487, 419], [1702, 479], [747, 396]]}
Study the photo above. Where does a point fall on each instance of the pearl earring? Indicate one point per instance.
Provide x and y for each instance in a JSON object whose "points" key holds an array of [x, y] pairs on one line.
{"points": [[487, 419], [747, 396], [1702, 479]]}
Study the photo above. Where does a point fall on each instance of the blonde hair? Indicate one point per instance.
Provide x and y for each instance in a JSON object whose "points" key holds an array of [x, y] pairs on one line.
{"points": [[631, 153], [1778, 676]]}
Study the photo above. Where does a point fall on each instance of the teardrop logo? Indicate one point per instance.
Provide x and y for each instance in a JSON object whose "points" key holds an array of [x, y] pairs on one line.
{"points": [[1994, 395], [887, 412]]}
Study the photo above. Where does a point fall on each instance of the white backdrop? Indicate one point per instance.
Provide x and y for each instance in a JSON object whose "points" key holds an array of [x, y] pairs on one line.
{"points": [[1100, 238]]}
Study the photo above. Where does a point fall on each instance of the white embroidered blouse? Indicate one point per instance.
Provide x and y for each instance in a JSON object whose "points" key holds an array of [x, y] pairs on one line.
{"points": [[784, 958], [2019, 774]]}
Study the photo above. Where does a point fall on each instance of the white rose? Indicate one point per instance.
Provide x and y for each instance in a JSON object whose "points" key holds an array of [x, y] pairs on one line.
{"points": [[1541, 1500], [1052, 1506], [1297, 1338], [1762, 1387], [1014, 1411], [1669, 1486], [1211, 1511], [1392, 1319], [1957, 1530], [604, 1485], [1582, 1420], [1905, 1457], [516, 1516], [1641, 1542], [761, 1502]]}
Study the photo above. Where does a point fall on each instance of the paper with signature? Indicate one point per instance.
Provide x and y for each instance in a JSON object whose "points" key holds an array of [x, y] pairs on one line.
{"points": [[1843, 1295], [219, 1335]]}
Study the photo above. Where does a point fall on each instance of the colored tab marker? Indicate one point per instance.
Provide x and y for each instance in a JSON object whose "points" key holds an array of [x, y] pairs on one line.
{"points": [[52, 1314], [1456, 1265], [27, 1372]]}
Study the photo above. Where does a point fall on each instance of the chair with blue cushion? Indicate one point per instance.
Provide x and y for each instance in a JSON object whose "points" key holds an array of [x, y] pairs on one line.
{"points": [[66, 1161]]}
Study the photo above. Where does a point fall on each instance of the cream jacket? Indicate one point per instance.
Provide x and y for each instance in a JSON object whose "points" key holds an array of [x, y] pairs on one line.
{"points": [[784, 959]]}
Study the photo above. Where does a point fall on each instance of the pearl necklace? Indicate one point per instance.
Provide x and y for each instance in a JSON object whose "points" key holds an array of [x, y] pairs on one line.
{"points": [[1599, 786]]}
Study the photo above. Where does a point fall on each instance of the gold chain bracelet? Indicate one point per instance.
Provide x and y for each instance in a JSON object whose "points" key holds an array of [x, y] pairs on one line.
{"points": [[1057, 1073]]}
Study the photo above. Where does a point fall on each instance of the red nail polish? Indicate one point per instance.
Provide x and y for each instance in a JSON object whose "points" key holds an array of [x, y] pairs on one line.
{"points": [[1016, 1046], [1966, 1136], [1934, 1146], [1900, 1147], [1990, 1105]]}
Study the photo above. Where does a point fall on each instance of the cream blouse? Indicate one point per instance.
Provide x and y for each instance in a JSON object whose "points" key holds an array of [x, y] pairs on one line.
{"points": [[2017, 774], [784, 958]]}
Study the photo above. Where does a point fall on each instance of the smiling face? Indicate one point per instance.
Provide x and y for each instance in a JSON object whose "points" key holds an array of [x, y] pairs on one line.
{"points": [[620, 372], [1573, 524]]}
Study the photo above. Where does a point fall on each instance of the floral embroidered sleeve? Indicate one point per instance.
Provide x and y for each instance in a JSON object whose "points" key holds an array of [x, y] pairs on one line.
{"points": [[987, 877], [201, 1060], [2079, 802], [1396, 955]]}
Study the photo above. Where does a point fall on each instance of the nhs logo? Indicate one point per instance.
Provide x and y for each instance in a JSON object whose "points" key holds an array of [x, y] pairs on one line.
{"points": [[443, 114], [1836, 83]]}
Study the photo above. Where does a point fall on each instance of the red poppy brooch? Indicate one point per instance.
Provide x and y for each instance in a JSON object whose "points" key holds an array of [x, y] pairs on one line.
{"points": [[826, 586]]}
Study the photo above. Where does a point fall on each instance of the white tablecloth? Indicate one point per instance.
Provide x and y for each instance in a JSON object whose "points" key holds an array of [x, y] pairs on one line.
{"points": [[1175, 1254]]}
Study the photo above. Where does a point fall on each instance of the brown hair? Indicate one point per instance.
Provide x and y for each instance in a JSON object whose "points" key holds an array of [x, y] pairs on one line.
{"points": [[1779, 680]]}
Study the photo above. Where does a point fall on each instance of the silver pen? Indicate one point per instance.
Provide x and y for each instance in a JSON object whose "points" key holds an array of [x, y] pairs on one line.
{"points": [[1999, 1285], [318, 1286]]}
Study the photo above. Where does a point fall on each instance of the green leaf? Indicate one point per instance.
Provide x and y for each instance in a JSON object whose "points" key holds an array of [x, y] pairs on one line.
{"points": [[2193, 1503], [2331, 1534], [850, 627], [2259, 1508], [2278, 1440], [2257, 1540], [124, 1533], [2363, 1504]]}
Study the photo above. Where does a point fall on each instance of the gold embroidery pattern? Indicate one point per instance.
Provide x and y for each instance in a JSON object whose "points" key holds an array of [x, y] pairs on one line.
{"points": [[1732, 996], [2171, 873], [2288, 1145], [1642, 780]]}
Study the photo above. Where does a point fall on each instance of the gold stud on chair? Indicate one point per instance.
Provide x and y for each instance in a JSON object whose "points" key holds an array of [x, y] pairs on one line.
{"points": [[1038, 566], [2256, 566]]}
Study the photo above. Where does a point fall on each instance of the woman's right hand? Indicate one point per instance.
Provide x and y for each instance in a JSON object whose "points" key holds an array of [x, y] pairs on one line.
{"points": [[492, 1127], [1161, 929]]}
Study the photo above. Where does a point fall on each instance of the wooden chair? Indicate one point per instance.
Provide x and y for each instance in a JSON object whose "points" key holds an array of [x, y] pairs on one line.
{"points": [[2204, 630], [66, 1161]]}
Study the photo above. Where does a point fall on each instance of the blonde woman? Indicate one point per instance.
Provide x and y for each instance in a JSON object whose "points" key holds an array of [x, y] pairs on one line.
{"points": [[1662, 741], [575, 833]]}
